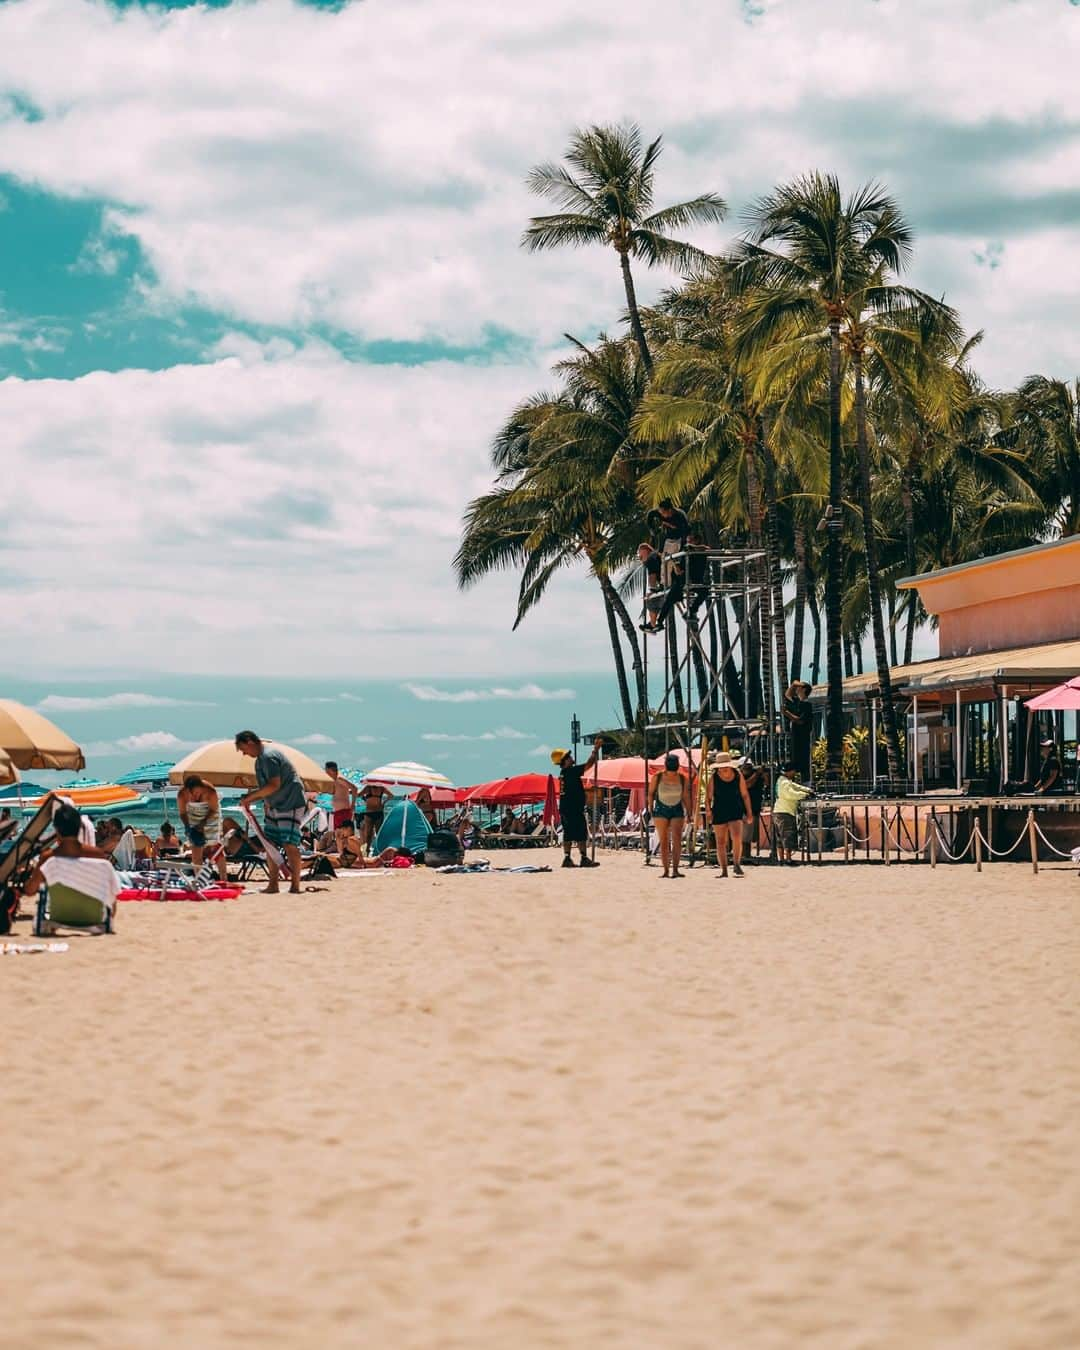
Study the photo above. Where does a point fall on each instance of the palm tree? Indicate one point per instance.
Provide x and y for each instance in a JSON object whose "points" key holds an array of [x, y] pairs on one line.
{"points": [[556, 500], [605, 196], [1046, 423], [820, 270]]}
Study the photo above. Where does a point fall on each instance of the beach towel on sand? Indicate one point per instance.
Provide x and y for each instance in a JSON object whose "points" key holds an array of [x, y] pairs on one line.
{"points": [[482, 865]]}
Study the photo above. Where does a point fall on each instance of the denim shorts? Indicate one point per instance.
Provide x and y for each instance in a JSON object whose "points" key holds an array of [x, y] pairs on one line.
{"points": [[662, 812]]}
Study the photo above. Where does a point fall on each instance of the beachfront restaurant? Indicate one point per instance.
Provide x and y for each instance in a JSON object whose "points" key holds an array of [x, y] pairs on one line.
{"points": [[1008, 628]]}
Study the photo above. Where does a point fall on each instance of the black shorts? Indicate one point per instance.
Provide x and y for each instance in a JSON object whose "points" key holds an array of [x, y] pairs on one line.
{"points": [[375, 818], [575, 828]]}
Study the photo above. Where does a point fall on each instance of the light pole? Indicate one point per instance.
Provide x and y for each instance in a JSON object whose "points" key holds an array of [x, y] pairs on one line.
{"points": [[575, 733]]}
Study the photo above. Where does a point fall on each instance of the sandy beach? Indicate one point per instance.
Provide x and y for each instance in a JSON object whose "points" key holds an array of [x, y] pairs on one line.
{"points": [[819, 1108]]}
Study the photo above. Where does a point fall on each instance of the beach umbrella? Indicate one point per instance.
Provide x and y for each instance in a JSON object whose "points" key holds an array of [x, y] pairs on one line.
{"points": [[551, 804], [629, 772], [8, 772], [147, 773], [220, 763], [524, 789], [405, 773], [1062, 698], [33, 742], [442, 799]]}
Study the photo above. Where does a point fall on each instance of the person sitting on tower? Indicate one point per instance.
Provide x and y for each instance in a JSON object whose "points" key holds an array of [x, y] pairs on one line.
{"points": [[690, 579]]}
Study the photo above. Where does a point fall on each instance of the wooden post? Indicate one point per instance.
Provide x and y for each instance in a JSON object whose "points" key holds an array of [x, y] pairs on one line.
{"points": [[884, 835], [1032, 841], [898, 832], [933, 836], [978, 842], [847, 851]]}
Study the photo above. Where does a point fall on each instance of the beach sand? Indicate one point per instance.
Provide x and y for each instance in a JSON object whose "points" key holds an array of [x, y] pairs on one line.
{"points": [[834, 1107]]}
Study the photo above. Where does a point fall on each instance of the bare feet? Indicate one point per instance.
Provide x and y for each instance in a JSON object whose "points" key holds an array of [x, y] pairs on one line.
{"points": [[270, 890], [678, 875]]}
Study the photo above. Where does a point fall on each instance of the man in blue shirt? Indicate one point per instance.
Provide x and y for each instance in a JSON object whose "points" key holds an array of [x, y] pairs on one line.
{"points": [[284, 804]]}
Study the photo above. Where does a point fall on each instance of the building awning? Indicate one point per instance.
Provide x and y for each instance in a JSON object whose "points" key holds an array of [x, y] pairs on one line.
{"points": [[1038, 667]]}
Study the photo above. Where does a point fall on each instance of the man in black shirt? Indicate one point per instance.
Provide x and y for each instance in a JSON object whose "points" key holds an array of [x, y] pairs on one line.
{"points": [[691, 578], [572, 803]]}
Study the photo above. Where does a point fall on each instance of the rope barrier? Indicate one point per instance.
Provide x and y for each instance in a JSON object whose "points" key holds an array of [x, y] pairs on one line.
{"points": [[996, 853], [1067, 856]]}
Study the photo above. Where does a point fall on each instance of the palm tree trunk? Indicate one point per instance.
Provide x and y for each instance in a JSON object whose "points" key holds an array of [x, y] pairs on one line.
{"points": [[798, 634], [834, 579], [849, 658], [734, 686], [627, 624], [873, 577], [856, 648], [908, 500], [629, 717], [772, 544], [815, 620], [890, 605], [675, 680], [759, 664], [635, 316]]}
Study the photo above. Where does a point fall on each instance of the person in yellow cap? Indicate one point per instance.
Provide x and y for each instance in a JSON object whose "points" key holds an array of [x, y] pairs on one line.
{"points": [[572, 803]]}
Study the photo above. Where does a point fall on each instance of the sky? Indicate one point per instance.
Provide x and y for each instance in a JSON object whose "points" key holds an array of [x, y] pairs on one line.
{"points": [[263, 303]]}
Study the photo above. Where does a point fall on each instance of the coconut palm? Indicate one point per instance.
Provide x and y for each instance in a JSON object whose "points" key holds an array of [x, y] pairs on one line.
{"points": [[1045, 423], [556, 501], [820, 274], [605, 196]]}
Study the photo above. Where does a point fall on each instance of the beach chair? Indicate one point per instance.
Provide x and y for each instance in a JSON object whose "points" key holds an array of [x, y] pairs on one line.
{"points": [[80, 893], [124, 854], [20, 860]]}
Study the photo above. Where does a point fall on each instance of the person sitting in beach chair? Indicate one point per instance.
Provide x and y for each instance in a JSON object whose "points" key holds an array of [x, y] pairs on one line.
{"points": [[167, 844], [76, 883], [17, 864]]}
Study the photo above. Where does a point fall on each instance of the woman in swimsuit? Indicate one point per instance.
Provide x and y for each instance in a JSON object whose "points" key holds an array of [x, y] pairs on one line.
{"points": [[669, 802], [374, 795], [729, 806]]}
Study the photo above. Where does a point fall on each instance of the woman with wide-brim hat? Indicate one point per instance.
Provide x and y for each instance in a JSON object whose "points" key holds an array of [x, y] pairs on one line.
{"points": [[728, 804]]}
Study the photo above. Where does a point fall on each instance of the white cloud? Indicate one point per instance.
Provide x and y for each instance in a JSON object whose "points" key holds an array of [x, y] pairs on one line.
{"points": [[429, 693], [369, 740], [144, 743], [315, 738], [543, 751], [108, 702], [499, 734], [275, 139]]}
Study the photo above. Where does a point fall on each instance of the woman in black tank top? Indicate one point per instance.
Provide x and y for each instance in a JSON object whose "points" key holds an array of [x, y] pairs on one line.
{"points": [[729, 805]]}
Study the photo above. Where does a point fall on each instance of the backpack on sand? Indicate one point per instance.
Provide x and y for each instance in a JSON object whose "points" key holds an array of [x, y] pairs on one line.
{"points": [[443, 849]]}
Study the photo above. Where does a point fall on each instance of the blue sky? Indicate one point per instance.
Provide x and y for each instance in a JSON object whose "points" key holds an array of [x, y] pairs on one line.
{"points": [[262, 303]]}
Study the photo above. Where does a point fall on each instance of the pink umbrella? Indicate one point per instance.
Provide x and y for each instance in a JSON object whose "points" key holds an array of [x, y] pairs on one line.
{"points": [[1062, 698], [622, 773], [551, 805]]}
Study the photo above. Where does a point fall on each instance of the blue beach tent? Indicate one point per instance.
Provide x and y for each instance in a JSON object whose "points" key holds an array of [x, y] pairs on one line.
{"points": [[404, 827]]}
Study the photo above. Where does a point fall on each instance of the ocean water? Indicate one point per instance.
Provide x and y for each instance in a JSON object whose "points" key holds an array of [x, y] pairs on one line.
{"points": [[471, 730]]}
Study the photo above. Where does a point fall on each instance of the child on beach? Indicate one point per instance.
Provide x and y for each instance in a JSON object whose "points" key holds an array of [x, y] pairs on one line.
{"points": [[789, 793]]}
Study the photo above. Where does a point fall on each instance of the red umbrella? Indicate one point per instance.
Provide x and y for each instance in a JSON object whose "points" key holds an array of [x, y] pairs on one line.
{"points": [[441, 798], [551, 805], [523, 790], [1063, 697]]}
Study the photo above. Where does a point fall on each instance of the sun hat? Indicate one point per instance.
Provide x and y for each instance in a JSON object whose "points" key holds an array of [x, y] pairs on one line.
{"points": [[1044, 744], [557, 756], [726, 757]]}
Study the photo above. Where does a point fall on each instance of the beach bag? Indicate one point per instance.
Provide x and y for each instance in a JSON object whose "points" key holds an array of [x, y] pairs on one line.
{"points": [[443, 849]]}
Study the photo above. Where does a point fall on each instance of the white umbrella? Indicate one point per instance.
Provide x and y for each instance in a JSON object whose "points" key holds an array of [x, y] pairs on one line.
{"points": [[404, 773]]}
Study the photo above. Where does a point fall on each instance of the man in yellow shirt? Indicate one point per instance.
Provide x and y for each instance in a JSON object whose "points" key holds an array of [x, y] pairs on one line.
{"points": [[789, 793]]}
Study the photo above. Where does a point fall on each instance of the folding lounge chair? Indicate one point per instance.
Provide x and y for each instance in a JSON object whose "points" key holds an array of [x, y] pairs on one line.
{"points": [[17, 864], [81, 894]]}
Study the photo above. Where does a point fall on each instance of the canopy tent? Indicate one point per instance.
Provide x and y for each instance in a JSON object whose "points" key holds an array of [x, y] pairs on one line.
{"points": [[404, 827], [630, 773], [406, 773], [1062, 698], [222, 765], [33, 742], [8, 772], [525, 789]]}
